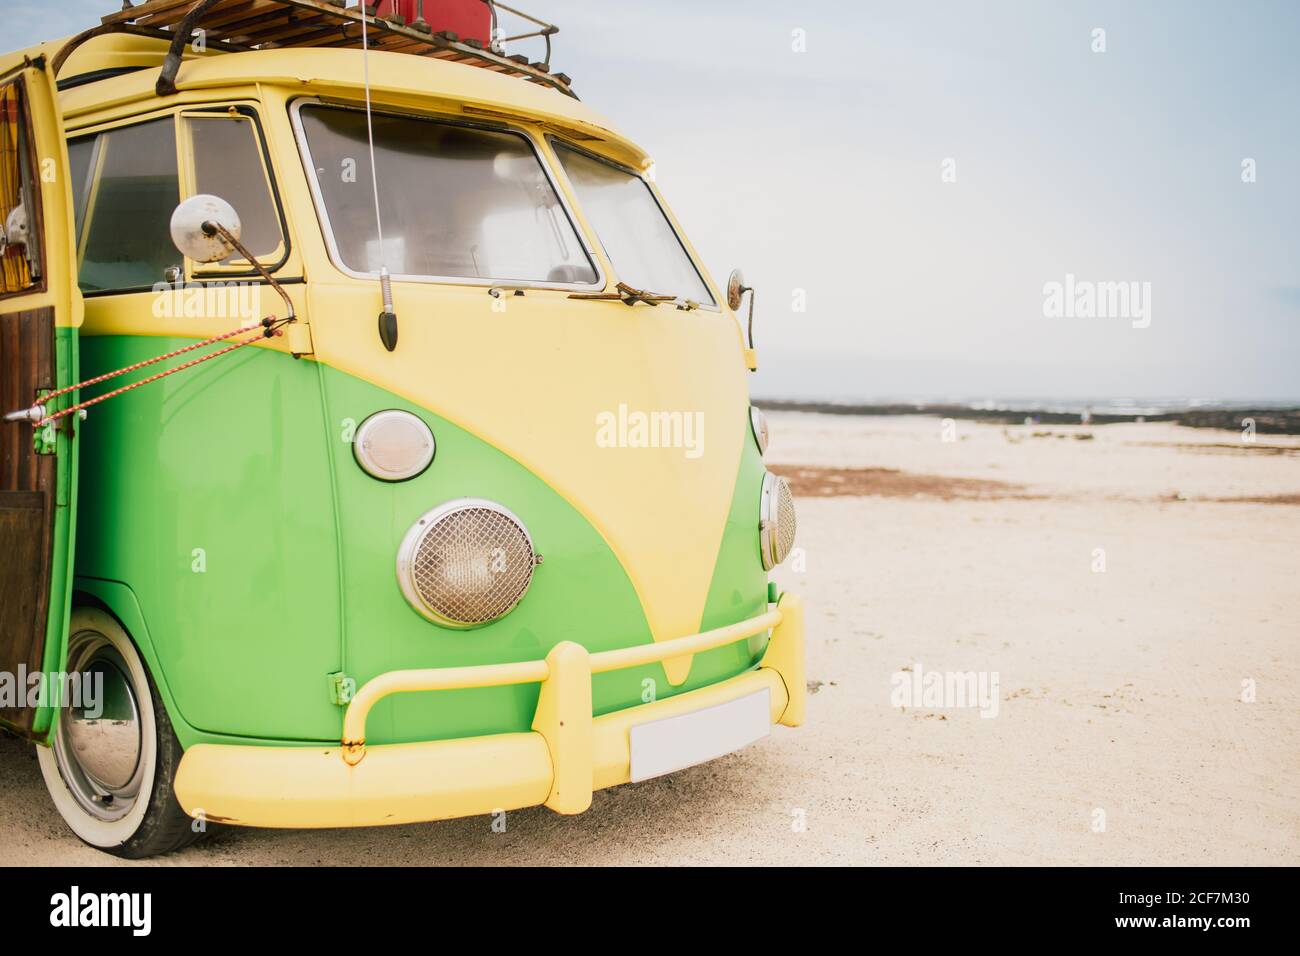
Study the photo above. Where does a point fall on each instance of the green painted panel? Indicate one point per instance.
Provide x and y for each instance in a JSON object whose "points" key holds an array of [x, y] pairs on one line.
{"points": [[64, 536], [739, 588], [208, 493]]}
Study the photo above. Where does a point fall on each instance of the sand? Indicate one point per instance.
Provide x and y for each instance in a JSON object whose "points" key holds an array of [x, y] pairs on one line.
{"points": [[1121, 735]]}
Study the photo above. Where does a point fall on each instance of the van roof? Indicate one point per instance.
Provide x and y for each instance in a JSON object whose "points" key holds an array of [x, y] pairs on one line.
{"points": [[119, 68]]}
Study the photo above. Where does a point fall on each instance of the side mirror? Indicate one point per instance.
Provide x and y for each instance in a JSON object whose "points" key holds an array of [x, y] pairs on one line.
{"points": [[207, 229], [736, 289], [193, 228]]}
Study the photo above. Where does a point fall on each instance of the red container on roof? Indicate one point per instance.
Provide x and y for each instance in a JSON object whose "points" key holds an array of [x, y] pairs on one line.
{"points": [[468, 19]]}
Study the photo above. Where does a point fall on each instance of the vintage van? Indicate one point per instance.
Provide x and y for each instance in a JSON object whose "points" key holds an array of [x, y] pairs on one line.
{"points": [[377, 449]]}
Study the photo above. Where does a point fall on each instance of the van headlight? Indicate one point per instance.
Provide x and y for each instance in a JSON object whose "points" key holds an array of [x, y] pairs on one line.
{"points": [[393, 445], [758, 422], [776, 521], [466, 562]]}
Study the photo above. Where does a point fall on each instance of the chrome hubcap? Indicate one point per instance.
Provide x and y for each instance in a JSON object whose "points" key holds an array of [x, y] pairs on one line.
{"points": [[98, 743]]}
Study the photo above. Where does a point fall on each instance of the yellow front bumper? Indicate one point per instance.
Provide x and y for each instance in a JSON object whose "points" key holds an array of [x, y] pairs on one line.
{"points": [[566, 755]]}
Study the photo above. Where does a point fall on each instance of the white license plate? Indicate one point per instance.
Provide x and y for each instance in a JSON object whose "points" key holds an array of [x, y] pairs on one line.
{"points": [[662, 746]]}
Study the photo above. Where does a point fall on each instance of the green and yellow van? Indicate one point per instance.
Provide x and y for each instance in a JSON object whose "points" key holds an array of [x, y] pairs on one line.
{"points": [[377, 448]]}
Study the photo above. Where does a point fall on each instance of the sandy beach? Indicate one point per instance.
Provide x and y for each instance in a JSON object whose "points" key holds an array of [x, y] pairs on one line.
{"points": [[1133, 587]]}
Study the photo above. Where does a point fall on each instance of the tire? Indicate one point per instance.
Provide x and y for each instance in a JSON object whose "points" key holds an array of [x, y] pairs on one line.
{"points": [[123, 806]]}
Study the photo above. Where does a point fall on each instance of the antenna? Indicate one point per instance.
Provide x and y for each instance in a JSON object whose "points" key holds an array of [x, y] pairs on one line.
{"points": [[388, 317]]}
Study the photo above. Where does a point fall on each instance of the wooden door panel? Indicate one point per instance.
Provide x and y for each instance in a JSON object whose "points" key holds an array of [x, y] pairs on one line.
{"points": [[27, 496]]}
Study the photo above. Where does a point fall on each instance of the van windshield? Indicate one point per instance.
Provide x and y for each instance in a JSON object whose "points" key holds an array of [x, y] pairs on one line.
{"points": [[456, 202], [631, 225]]}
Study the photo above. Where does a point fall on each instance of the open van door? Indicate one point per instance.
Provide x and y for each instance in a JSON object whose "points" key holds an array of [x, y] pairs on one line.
{"points": [[40, 312]]}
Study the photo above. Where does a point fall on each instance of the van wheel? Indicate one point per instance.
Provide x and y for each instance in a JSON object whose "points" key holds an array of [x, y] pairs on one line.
{"points": [[110, 775]]}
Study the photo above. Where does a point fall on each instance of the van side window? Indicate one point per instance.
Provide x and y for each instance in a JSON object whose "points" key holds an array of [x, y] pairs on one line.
{"points": [[20, 264], [125, 241], [228, 162]]}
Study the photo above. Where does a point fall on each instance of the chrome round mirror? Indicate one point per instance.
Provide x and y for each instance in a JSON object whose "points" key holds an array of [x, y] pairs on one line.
{"points": [[736, 289], [187, 228]]}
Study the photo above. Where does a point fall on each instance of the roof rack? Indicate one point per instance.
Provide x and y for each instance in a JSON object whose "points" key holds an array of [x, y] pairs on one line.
{"points": [[236, 25]]}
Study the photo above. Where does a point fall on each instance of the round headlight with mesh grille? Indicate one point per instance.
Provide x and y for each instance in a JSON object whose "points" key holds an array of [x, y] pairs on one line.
{"points": [[776, 521], [465, 563]]}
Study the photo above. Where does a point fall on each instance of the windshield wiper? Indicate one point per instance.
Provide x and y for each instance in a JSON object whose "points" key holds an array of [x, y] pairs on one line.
{"points": [[627, 295]]}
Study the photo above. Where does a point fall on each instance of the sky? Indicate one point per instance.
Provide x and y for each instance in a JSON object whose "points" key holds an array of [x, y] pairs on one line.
{"points": [[903, 183]]}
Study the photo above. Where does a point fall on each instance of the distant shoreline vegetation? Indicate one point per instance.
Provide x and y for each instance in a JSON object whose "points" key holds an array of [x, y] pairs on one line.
{"points": [[1269, 420]]}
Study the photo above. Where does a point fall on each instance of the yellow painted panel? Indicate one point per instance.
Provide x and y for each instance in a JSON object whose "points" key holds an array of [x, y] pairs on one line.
{"points": [[396, 79], [785, 654], [399, 783], [564, 718]]}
